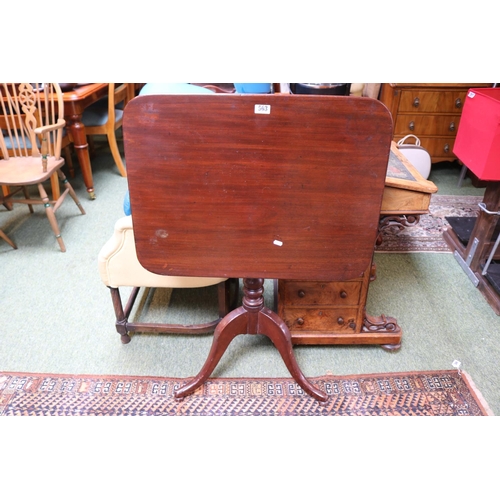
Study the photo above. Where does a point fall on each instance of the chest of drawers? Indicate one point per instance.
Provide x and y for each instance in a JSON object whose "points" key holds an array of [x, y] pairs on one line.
{"points": [[333, 312], [431, 111]]}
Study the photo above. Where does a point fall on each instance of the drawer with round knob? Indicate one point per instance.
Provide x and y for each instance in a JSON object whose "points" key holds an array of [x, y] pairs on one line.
{"points": [[440, 148], [340, 319], [422, 101], [321, 292], [324, 312], [421, 125]]}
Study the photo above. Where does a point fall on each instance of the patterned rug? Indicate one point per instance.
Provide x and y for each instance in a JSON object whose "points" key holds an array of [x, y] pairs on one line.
{"points": [[426, 236], [438, 393]]}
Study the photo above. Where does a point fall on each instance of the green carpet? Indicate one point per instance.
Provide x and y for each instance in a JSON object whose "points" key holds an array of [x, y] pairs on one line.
{"points": [[56, 315]]}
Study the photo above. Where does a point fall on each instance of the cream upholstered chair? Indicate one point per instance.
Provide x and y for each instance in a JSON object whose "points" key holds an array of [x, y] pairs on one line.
{"points": [[119, 267], [30, 144]]}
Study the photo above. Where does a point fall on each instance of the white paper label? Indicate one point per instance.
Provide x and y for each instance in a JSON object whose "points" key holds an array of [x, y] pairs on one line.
{"points": [[262, 109], [471, 94]]}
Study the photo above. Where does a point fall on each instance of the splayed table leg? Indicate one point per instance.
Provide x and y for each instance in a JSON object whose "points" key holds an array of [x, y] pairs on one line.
{"points": [[252, 318]]}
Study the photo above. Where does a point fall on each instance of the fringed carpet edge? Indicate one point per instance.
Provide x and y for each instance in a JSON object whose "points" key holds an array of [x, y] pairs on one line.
{"points": [[430, 393], [473, 388]]}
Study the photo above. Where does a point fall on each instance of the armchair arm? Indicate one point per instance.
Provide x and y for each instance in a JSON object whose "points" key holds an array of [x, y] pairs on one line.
{"points": [[45, 130], [50, 128]]}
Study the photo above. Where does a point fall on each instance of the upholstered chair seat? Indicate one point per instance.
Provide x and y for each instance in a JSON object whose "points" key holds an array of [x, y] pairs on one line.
{"points": [[119, 267]]}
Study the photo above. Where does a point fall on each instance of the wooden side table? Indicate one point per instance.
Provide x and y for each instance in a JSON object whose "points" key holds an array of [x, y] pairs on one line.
{"points": [[260, 187], [407, 195]]}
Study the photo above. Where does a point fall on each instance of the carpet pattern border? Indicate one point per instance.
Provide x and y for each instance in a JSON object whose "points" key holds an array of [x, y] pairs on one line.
{"points": [[429, 393]]}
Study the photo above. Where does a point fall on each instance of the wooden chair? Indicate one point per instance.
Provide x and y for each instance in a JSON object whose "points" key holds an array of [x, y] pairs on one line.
{"points": [[66, 143], [105, 117], [68, 160], [30, 144], [8, 207]]}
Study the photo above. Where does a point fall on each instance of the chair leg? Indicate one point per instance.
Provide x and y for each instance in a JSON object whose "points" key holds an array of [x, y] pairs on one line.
{"points": [[71, 191], [5, 193], [227, 296], [236, 286], [54, 185], [51, 216], [27, 196], [4, 199], [223, 298], [121, 316], [275, 296], [7, 239], [91, 145], [69, 161], [113, 145]]}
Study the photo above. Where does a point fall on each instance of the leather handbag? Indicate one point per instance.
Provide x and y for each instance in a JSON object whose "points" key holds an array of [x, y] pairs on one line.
{"points": [[418, 156]]}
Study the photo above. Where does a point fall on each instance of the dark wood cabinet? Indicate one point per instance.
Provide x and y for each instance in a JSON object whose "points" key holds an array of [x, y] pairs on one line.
{"points": [[431, 111]]}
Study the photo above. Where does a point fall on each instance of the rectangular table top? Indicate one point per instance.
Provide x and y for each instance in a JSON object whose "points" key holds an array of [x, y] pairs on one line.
{"points": [[268, 186]]}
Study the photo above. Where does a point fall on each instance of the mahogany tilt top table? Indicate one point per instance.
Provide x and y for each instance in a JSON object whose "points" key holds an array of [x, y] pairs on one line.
{"points": [[248, 186]]}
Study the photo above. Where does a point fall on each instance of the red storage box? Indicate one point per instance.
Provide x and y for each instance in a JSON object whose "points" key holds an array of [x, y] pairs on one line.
{"points": [[477, 143]]}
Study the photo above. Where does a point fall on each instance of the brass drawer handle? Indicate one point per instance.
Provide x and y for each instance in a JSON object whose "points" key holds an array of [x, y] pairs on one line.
{"points": [[446, 148], [452, 127], [416, 102], [458, 103], [411, 125], [301, 294], [300, 321]]}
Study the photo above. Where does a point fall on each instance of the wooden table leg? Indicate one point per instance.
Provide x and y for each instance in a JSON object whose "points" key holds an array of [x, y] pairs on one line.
{"points": [[252, 318], [77, 129]]}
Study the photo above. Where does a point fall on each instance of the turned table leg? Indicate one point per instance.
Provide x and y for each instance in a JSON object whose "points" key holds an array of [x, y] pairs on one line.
{"points": [[82, 150]]}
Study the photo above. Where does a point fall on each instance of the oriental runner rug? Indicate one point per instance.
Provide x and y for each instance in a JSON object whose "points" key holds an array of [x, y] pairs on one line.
{"points": [[436, 393], [427, 234]]}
